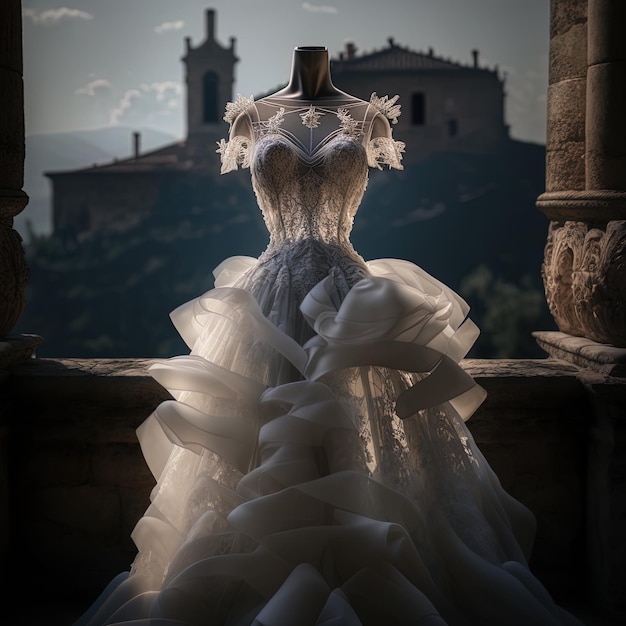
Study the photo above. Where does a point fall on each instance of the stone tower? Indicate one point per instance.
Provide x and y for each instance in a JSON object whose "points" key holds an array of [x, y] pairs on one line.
{"points": [[209, 75]]}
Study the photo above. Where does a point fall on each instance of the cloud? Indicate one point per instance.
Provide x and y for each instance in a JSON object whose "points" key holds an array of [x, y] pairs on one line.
{"points": [[148, 103], [97, 87], [318, 8], [52, 17], [95, 100], [167, 27]]}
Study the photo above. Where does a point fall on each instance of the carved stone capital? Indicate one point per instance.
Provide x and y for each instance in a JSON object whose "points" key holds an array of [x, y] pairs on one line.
{"points": [[584, 274]]}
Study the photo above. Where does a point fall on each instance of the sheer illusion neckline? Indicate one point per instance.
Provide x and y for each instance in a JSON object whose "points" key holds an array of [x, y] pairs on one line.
{"points": [[351, 119]]}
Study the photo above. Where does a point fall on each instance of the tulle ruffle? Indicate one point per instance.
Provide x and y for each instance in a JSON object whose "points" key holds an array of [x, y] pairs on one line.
{"points": [[352, 495]]}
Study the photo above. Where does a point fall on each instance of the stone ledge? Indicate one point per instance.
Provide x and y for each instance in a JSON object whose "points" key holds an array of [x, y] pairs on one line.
{"points": [[71, 368], [518, 368], [122, 383], [138, 367], [90, 368], [549, 383], [584, 353]]}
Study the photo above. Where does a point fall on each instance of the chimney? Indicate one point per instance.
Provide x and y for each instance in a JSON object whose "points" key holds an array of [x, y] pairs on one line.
{"points": [[233, 41], [431, 52], [210, 24], [187, 44], [136, 144], [350, 50], [475, 55]]}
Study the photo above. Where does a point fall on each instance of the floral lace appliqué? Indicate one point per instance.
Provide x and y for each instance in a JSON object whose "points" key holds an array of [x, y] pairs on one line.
{"points": [[386, 106], [276, 121], [233, 109], [385, 151], [348, 125], [234, 153], [311, 117]]}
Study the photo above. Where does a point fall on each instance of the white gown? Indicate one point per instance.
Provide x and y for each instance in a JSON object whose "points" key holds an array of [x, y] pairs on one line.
{"points": [[315, 467]]}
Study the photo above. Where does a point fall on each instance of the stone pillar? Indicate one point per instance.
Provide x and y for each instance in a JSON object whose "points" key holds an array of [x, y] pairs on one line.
{"points": [[13, 270], [605, 131], [584, 267]]}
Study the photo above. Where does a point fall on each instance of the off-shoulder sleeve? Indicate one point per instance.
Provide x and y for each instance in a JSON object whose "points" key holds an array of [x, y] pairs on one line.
{"points": [[236, 151], [382, 149]]}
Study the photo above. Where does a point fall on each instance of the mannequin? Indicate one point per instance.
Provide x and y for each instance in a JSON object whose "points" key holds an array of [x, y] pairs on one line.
{"points": [[310, 82], [310, 77]]}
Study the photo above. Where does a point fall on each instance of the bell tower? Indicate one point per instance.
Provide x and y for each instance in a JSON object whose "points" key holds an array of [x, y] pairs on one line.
{"points": [[209, 76]]}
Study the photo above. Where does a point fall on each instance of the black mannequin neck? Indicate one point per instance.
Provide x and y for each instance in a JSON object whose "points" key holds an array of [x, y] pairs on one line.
{"points": [[310, 76]]}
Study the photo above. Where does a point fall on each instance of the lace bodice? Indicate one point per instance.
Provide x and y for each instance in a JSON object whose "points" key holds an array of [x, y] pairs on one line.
{"points": [[309, 164]]}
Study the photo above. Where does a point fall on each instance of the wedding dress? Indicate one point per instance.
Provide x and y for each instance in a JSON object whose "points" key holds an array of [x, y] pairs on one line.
{"points": [[314, 467]]}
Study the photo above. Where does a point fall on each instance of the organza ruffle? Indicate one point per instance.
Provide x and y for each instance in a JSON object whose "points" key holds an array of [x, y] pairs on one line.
{"points": [[318, 501]]}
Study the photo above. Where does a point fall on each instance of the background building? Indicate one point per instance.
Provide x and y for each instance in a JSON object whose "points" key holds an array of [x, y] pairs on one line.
{"points": [[118, 195], [447, 107]]}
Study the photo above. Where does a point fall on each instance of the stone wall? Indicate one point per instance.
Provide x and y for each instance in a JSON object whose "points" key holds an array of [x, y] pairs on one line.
{"points": [[87, 202], [78, 482], [77, 479], [474, 99]]}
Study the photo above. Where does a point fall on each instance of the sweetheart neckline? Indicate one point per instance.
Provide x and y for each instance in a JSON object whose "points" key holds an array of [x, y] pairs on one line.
{"points": [[318, 154]]}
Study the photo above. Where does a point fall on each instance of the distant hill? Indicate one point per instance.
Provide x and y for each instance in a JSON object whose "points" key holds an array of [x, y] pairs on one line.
{"points": [[72, 150], [456, 211]]}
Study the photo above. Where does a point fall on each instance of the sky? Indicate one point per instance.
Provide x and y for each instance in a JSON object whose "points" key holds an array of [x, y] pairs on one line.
{"points": [[95, 63]]}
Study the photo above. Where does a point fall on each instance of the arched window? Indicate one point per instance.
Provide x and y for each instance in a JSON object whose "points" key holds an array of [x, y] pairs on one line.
{"points": [[209, 95], [418, 109]]}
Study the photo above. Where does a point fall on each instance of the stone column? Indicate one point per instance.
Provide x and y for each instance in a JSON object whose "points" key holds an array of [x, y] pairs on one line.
{"points": [[584, 267], [13, 270], [605, 131]]}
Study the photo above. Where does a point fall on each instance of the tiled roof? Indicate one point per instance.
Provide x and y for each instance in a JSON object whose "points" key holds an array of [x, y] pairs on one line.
{"points": [[395, 58], [170, 157]]}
